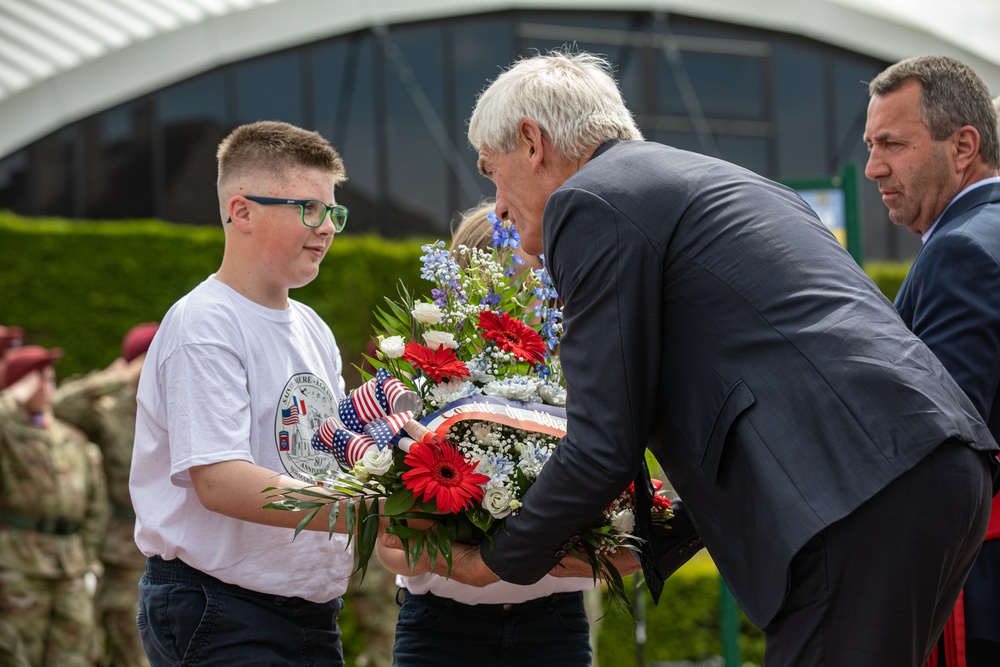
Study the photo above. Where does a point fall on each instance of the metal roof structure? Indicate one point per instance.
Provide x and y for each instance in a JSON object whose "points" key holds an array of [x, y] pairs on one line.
{"points": [[62, 60]]}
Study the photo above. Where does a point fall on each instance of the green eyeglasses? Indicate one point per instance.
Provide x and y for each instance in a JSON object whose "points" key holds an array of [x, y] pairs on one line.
{"points": [[312, 211]]}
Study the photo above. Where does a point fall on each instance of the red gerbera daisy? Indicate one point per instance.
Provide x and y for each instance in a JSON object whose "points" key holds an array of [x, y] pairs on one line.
{"points": [[436, 364], [512, 336], [440, 471]]}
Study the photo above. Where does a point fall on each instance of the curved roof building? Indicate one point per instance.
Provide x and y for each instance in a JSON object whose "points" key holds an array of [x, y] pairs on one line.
{"points": [[113, 108]]}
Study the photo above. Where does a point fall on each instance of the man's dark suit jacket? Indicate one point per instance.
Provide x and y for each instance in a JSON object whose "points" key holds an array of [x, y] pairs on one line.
{"points": [[711, 317], [951, 297]]}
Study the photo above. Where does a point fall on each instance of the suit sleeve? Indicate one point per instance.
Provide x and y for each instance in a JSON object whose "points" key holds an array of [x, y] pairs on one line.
{"points": [[609, 276], [956, 312]]}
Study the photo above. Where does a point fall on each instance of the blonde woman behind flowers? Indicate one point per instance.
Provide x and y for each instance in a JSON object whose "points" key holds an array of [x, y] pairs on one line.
{"points": [[475, 230], [444, 622]]}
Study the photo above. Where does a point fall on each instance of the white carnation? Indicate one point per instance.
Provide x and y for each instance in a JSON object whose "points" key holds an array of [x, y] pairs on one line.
{"points": [[532, 458], [479, 370], [451, 390], [623, 521], [552, 393], [497, 468], [392, 347], [377, 461], [518, 389], [427, 313], [438, 339]]}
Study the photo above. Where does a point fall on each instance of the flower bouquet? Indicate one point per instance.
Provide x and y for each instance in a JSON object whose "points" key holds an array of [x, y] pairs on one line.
{"points": [[464, 410]]}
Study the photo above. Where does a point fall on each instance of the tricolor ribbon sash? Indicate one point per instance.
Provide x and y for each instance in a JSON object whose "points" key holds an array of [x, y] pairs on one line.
{"points": [[370, 417], [535, 417]]}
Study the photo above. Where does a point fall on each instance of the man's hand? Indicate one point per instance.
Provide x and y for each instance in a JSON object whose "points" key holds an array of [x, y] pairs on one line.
{"points": [[624, 560], [467, 565]]}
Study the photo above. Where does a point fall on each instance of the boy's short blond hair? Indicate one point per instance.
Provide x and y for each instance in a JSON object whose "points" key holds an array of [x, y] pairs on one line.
{"points": [[273, 147]]}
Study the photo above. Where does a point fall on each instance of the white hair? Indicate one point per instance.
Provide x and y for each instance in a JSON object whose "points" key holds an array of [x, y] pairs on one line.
{"points": [[573, 97]]}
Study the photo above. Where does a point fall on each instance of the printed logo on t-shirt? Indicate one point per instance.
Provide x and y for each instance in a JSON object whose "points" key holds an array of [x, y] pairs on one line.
{"points": [[305, 402]]}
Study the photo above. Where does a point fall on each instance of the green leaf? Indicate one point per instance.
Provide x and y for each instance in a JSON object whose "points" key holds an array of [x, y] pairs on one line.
{"points": [[351, 521], [398, 503], [444, 545], [653, 464], [305, 522], [308, 491], [416, 549], [403, 532], [522, 480], [332, 520], [398, 311], [367, 535], [481, 520]]}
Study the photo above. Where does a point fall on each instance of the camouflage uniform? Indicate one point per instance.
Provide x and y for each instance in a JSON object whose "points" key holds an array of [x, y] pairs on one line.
{"points": [[104, 408], [53, 517]]}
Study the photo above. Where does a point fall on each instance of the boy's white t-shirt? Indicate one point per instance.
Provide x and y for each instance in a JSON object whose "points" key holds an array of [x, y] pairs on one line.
{"points": [[228, 379], [500, 592]]}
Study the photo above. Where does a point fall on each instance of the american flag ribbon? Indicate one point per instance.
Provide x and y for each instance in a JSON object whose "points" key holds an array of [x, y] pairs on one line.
{"points": [[371, 416]]}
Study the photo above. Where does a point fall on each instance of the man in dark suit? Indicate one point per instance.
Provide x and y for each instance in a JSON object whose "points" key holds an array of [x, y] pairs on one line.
{"points": [[932, 133], [836, 473]]}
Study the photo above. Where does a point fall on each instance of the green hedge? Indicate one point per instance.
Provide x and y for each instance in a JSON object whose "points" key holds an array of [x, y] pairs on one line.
{"points": [[81, 285], [684, 626], [888, 276]]}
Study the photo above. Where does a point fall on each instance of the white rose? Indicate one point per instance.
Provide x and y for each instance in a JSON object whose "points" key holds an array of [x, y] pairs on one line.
{"points": [[377, 461], [360, 472], [392, 346], [427, 313], [497, 501], [623, 521], [438, 339]]}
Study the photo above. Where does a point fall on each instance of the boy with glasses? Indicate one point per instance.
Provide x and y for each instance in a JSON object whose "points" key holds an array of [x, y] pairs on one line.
{"points": [[236, 380]]}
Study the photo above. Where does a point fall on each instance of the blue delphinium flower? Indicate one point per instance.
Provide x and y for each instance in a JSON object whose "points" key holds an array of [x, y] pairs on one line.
{"points": [[547, 310], [492, 300], [440, 268], [506, 236]]}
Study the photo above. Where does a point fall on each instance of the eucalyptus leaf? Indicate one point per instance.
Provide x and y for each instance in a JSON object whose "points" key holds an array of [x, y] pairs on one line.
{"points": [[351, 520], [305, 522], [416, 548]]}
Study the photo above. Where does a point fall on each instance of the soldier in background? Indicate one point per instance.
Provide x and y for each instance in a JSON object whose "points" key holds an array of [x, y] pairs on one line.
{"points": [[10, 337], [10, 645], [102, 404], [53, 517]]}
